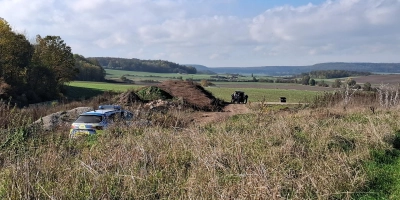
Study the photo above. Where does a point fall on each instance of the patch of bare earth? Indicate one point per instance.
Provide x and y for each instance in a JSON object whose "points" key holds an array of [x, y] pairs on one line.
{"points": [[228, 111], [61, 118], [379, 79]]}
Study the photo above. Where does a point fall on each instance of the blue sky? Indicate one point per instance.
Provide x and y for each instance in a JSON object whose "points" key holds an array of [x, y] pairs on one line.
{"points": [[217, 33]]}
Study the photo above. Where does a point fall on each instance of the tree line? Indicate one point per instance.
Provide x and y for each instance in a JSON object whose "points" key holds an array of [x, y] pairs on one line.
{"points": [[365, 67], [89, 69], [31, 73], [155, 66], [328, 74]]}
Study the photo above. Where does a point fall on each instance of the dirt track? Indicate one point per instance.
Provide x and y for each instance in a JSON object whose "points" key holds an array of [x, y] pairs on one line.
{"points": [[229, 110]]}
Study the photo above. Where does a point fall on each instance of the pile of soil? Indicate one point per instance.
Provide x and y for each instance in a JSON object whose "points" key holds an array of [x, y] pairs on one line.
{"points": [[192, 94], [152, 93], [161, 105], [127, 98]]}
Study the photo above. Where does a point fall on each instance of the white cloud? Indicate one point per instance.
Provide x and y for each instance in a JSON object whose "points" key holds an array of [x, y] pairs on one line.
{"points": [[195, 31], [211, 31], [113, 40], [219, 56], [334, 24]]}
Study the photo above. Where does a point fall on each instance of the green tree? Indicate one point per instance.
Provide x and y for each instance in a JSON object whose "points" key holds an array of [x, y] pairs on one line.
{"points": [[322, 84], [350, 82], [89, 69], [33, 73], [337, 83], [15, 57], [356, 86], [312, 82], [53, 53], [123, 78], [305, 80], [41, 82], [367, 86]]}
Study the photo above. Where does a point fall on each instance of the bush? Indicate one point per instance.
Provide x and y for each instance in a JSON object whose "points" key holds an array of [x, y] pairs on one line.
{"points": [[152, 93]]}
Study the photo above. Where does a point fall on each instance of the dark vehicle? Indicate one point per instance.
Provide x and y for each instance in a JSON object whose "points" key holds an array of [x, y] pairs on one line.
{"points": [[239, 97]]}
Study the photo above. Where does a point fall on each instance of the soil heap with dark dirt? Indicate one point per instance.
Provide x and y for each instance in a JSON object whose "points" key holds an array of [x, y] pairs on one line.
{"points": [[192, 94], [127, 98], [152, 93]]}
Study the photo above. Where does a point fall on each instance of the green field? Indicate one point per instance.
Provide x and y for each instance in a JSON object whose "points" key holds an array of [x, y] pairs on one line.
{"points": [[257, 91], [138, 76], [268, 95], [83, 89], [134, 75], [103, 86]]}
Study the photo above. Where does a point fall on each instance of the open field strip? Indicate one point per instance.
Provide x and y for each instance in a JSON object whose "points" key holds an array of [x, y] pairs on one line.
{"points": [[266, 95], [255, 94], [135, 75], [103, 86], [151, 75]]}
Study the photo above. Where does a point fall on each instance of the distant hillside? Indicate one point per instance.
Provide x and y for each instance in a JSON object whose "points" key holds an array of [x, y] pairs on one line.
{"points": [[198, 67], [160, 66], [294, 70], [269, 70], [201, 69], [365, 67], [157, 66]]}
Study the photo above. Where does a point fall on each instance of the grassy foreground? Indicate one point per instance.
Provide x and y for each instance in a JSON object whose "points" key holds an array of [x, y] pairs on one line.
{"points": [[299, 153]]}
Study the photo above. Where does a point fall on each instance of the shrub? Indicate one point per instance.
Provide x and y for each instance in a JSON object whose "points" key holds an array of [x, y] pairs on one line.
{"points": [[151, 93]]}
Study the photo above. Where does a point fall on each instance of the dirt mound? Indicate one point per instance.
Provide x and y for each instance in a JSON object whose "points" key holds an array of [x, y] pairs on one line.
{"points": [[192, 94], [52, 121], [161, 105], [127, 98], [151, 93]]}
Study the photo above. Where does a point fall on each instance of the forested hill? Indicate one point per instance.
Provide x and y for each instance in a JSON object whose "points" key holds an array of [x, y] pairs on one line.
{"points": [[269, 70], [161, 66], [133, 64], [294, 70], [362, 67]]}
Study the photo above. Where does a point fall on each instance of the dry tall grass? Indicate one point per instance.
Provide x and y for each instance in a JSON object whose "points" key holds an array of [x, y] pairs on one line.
{"points": [[311, 153]]}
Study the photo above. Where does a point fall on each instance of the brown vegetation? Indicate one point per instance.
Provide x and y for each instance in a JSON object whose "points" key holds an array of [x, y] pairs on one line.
{"points": [[127, 98], [269, 153]]}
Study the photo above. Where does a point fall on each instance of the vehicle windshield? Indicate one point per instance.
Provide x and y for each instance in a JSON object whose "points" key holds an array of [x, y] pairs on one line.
{"points": [[127, 115], [89, 119]]}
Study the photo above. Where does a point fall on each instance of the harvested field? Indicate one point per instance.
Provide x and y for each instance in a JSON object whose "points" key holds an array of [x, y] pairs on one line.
{"points": [[393, 79]]}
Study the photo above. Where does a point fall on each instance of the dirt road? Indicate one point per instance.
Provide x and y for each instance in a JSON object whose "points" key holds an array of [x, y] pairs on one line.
{"points": [[229, 110]]}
